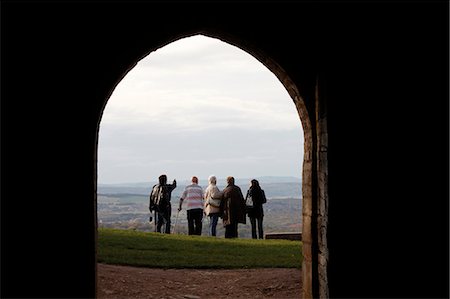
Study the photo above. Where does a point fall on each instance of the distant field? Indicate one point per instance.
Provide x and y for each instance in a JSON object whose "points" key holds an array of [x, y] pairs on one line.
{"points": [[126, 207], [124, 198], [130, 211], [135, 248]]}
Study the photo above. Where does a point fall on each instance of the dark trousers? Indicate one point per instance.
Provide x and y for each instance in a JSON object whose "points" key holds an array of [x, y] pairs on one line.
{"points": [[260, 227], [231, 230], [194, 218], [163, 218]]}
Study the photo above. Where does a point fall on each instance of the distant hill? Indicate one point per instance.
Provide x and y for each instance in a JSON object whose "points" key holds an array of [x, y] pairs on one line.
{"points": [[262, 179], [277, 179], [274, 186]]}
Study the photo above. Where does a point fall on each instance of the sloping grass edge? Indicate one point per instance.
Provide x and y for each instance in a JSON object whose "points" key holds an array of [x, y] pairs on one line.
{"points": [[154, 250]]}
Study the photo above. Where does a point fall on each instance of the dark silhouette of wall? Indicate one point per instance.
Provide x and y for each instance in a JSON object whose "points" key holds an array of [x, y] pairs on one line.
{"points": [[382, 70]]}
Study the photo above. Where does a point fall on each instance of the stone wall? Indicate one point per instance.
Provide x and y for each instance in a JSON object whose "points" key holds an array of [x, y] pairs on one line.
{"points": [[370, 83]]}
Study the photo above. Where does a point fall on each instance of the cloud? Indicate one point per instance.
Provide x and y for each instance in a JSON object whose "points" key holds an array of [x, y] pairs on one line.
{"points": [[199, 104]]}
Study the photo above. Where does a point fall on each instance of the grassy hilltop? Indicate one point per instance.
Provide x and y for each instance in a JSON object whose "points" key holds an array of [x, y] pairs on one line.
{"points": [[144, 249]]}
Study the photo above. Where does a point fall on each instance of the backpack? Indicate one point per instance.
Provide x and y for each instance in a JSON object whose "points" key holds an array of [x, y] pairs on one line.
{"points": [[159, 199], [264, 199]]}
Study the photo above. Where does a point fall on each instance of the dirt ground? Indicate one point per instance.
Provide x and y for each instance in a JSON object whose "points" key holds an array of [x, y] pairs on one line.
{"points": [[125, 282]]}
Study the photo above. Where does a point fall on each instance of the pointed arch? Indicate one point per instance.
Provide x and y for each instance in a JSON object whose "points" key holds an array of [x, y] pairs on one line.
{"points": [[314, 184]]}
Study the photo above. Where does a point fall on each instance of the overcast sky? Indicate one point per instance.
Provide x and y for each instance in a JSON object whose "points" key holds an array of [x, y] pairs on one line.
{"points": [[199, 106]]}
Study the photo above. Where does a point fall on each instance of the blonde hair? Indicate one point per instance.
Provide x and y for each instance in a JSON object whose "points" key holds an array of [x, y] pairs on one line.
{"points": [[212, 179]]}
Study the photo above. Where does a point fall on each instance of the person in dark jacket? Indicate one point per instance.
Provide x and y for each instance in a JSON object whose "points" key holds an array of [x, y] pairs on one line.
{"points": [[160, 203], [233, 208], [255, 199]]}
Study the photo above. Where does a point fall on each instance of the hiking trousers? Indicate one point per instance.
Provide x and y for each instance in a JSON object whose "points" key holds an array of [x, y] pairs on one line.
{"points": [[231, 230], [253, 221], [194, 217], [163, 218]]}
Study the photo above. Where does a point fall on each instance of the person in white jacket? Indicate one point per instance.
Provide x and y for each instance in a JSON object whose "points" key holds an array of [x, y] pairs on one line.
{"points": [[212, 198]]}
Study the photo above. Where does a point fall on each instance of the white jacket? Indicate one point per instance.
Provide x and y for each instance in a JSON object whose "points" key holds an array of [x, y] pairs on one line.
{"points": [[212, 198]]}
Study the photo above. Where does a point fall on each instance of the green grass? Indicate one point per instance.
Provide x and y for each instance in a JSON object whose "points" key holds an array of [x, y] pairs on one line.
{"points": [[134, 248]]}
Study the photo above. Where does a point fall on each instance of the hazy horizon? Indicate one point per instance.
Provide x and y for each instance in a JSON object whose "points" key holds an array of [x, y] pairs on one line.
{"points": [[220, 180]]}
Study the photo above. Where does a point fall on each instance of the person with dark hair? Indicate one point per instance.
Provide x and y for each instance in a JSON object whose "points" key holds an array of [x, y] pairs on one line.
{"points": [[193, 195], [160, 203], [254, 200], [233, 208]]}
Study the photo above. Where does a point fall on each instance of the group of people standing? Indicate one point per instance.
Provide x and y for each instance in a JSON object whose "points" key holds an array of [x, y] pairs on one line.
{"points": [[228, 204]]}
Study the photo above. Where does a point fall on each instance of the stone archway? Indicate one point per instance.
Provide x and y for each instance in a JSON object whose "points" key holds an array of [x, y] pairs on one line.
{"points": [[59, 80], [314, 172]]}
